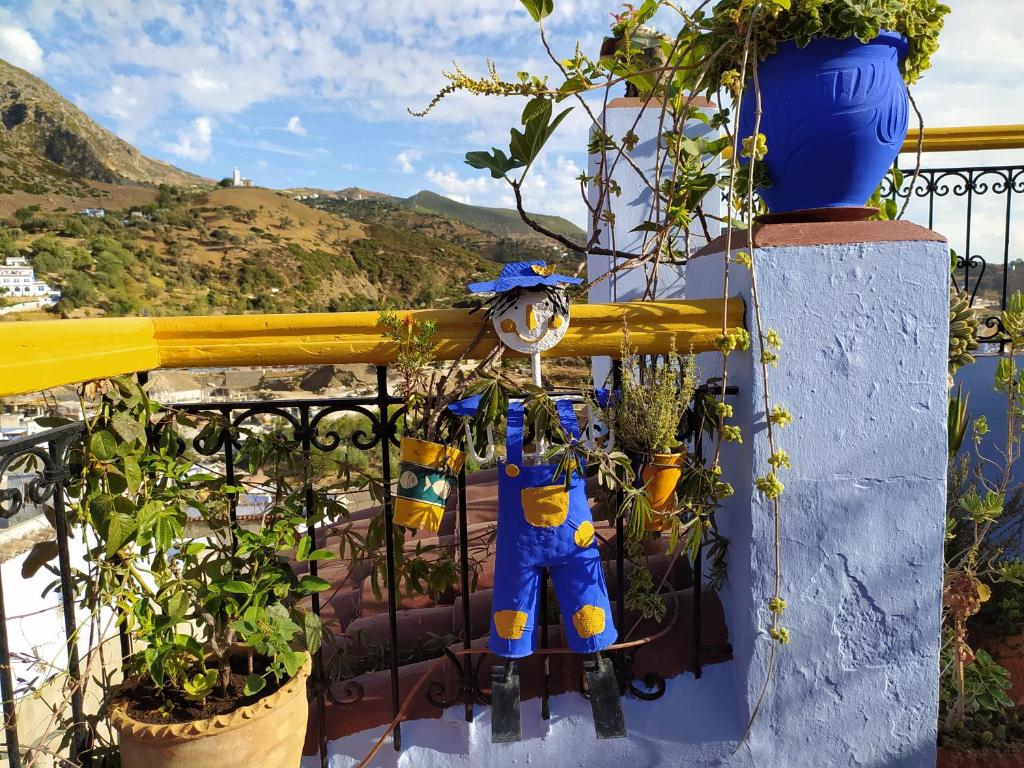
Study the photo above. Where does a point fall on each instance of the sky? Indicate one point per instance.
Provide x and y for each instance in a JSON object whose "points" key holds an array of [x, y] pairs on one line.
{"points": [[315, 92]]}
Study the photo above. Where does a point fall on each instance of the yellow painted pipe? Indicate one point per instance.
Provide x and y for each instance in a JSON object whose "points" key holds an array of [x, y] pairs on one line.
{"points": [[43, 354], [967, 138]]}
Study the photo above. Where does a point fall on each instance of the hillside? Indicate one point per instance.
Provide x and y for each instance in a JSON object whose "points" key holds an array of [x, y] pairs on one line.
{"points": [[496, 246], [166, 242], [234, 251], [48, 145], [503, 222]]}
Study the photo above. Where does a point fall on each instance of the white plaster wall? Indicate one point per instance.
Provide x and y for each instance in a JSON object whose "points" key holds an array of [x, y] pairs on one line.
{"points": [[862, 370]]}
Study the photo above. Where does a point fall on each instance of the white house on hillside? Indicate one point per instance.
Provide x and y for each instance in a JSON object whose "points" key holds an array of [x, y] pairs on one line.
{"points": [[19, 279]]}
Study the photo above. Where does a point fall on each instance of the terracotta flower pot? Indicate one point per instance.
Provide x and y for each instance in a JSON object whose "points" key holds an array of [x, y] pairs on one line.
{"points": [[425, 475], [660, 476], [267, 734]]}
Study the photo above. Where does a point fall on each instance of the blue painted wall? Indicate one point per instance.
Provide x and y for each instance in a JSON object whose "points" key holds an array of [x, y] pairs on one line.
{"points": [[862, 370]]}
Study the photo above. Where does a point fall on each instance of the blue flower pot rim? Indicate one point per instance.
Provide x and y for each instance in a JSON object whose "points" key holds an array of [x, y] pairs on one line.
{"points": [[897, 40]]}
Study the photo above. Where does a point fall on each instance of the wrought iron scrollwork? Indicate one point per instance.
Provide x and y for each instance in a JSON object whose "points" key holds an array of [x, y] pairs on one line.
{"points": [[352, 693], [468, 677], [47, 456]]}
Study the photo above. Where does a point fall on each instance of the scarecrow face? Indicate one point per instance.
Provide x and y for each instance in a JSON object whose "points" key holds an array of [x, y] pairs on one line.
{"points": [[531, 322]]}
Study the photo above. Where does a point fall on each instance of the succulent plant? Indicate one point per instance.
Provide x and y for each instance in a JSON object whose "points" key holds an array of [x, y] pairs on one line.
{"points": [[963, 327]]}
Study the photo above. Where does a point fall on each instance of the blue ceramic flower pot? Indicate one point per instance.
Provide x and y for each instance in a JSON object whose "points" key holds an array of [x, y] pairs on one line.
{"points": [[834, 114]]}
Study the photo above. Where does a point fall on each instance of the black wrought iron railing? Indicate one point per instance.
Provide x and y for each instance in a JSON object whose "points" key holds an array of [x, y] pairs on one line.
{"points": [[978, 209], [46, 459]]}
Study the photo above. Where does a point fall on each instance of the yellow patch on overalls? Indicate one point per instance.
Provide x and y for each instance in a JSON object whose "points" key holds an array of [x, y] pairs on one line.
{"points": [[545, 507], [584, 535], [510, 624], [589, 621]]}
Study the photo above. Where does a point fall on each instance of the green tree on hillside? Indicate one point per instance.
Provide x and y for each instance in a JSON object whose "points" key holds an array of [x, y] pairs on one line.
{"points": [[48, 255], [77, 291]]}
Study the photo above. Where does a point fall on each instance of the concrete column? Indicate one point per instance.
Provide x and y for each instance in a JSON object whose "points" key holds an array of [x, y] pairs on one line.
{"points": [[862, 311], [632, 208]]}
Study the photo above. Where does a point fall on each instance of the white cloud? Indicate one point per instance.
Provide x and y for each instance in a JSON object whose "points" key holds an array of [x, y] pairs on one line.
{"points": [[551, 188], [406, 158], [295, 126], [194, 142], [21, 49]]}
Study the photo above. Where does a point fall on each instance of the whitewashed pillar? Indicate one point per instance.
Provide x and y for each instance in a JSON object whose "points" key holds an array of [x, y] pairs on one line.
{"points": [[862, 309]]}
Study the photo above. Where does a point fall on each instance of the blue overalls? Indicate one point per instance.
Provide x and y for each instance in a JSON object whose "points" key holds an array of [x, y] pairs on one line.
{"points": [[541, 525]]}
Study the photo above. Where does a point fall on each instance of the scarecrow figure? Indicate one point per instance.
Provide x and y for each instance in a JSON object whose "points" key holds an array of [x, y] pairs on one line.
{"points": [[542, 523]]}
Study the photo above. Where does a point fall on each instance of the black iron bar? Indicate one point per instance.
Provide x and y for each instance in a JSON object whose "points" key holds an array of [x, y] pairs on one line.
{"points": [[229, 477], [545, 700], [1006, 238], [57, 476], [620, 541], [698, 564], [467, 634], [7, 689], [306, 441], [389, 544]]}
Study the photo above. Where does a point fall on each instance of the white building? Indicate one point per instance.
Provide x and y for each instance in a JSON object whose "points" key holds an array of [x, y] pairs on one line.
{"points": [[19, 279], [238, 181]]}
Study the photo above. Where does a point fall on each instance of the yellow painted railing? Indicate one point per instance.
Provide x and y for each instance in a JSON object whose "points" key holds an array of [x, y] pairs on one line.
{"points": [[43, 354], [967, 138]]}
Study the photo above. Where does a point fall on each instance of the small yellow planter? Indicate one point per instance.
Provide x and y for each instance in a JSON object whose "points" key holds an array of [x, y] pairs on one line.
{"points": [[661, 476], [426, 472], [267, 734]]}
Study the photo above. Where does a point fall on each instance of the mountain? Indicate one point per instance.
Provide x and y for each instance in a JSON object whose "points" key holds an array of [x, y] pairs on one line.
{"points": [[490, 239], [503, 222], [121, 234], [49, 145]]}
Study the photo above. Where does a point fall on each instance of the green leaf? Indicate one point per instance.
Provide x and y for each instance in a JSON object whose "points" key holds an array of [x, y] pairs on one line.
{"points": [[254, 684], [292, 661], [313, 630], [128, 428], [132, 474], [238, 587], [120, 529], [200, 686], [785, 4], [538, 9], [103, 445], [322, 554], [526, 145], [537, 108], [309, 584], [302, 553], [496, 162], [176, 607]]}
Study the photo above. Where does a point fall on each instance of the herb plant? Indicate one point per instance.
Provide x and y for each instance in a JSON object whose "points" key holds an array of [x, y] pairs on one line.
{"points": [[654, 395]]}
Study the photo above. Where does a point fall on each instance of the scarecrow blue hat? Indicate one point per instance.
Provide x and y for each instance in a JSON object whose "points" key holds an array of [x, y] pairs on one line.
{"points": [[523, 274]]}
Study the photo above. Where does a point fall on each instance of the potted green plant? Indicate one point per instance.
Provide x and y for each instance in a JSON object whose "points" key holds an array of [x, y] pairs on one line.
{"points": [[222, 646], [634, 49], [645, 415], [828, 91], [427, 468]]}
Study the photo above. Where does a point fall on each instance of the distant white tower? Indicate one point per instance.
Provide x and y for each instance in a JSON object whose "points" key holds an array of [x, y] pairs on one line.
{"points": [[236, 177]]}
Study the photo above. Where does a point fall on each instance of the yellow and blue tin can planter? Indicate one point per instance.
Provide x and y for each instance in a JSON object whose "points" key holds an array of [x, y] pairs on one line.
{"points": [[426, 473]]}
